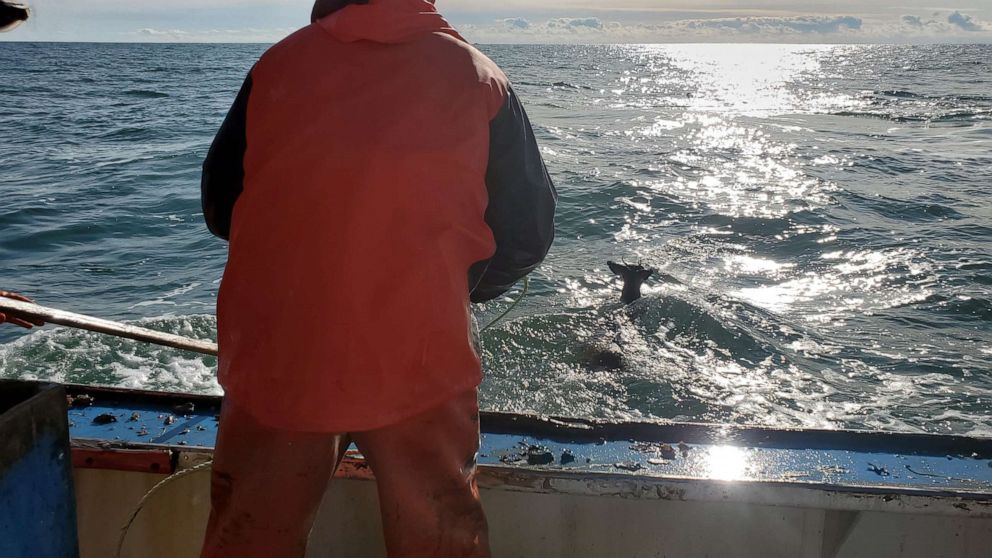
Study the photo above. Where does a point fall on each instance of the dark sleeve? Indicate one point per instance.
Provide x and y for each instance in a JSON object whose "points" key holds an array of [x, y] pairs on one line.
{"points": [[522, 200], [223, 170]]}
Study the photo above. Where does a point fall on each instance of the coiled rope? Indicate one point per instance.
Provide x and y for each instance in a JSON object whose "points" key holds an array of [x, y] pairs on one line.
{"points": [[144, 500]]}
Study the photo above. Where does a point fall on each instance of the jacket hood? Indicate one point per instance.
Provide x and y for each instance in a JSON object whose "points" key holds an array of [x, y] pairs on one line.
{"points": [[386, 21]]}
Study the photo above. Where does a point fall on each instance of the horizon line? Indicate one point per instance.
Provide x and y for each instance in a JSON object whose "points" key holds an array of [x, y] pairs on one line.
{"points": [[983, 42]]}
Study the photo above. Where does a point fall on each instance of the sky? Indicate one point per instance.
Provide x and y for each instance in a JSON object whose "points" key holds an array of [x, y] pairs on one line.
{"points": [[534, 21]]}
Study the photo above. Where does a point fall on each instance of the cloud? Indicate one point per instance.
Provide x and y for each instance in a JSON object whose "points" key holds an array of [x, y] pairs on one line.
{"points": [[516, 23], [808, 24], [595, 30], [912, 21], [798, 29], [953, 26], [174, 34], [247, 35], [965, 22], [572, 24], [552, 27]]}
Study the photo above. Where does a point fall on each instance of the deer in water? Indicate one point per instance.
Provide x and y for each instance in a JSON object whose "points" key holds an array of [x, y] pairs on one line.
{"points": [[633, 276], [605, 352]]}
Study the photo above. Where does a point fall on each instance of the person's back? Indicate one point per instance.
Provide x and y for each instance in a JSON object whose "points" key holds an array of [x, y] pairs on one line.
{"points": [[364, 200], [375, 175]]}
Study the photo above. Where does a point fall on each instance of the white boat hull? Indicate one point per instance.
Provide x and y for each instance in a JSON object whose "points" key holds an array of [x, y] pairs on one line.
{"points": [[543, 524]]}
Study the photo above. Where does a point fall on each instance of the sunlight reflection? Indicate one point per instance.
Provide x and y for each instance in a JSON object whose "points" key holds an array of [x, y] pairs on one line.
{"points": [[727, 463], [705, 96], [747, 79], [740, 171], [846, 282], [739, 264]]}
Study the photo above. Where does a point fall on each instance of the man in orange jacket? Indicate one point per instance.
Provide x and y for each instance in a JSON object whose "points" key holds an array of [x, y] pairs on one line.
{"points": [[12, 14], [375, 175]]}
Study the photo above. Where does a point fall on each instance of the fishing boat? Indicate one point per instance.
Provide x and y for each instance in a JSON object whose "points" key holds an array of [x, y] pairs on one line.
{"points": [[557, 487], [553, 487]]}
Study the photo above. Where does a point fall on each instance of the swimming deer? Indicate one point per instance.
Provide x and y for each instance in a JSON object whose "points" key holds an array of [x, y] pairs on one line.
{"points": [[604, 352]]}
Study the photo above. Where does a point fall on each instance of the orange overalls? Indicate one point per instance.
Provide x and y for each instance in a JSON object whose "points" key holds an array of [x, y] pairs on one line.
{"points": [[375, 175]]}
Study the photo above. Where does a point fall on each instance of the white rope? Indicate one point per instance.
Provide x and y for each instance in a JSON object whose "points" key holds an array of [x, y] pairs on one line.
{"points": [[510, 309], [144, 500]]}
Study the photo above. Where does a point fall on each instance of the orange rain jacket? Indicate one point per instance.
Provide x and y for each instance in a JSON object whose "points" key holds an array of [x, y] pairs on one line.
{"points": [[375, 174]]}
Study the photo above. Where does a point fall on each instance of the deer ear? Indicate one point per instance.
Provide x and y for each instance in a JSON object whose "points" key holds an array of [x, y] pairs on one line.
{"points": [[646, 273], [616, 268]]}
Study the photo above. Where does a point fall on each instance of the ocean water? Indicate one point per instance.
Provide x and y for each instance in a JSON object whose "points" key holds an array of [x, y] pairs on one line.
{"points": [[820, 217]]}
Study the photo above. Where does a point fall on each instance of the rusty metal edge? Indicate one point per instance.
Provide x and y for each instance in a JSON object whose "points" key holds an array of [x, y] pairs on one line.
{"points": [[160, 462]]}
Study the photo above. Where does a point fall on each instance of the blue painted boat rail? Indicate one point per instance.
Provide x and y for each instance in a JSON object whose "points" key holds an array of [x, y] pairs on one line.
{"points": [[537, 452]]}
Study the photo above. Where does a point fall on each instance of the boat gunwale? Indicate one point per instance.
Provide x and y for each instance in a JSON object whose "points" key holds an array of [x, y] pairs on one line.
{"points": [[522, 477], [581, 482], [588, 429]]}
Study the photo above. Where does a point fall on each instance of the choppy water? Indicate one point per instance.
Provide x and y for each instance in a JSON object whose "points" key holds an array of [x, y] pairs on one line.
{"points": [[822, 215]]}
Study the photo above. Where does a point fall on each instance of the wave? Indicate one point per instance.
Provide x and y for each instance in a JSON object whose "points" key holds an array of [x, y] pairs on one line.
{"points": [[903, 210], [126, 133], [899, 94], [973, 231], [73, 356], [964, 115], [963, 307], [951, 99], [754, 226], [972, 98], [674, 354], [556, 85], [983, 265], [957, 116], [145, 94]]}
